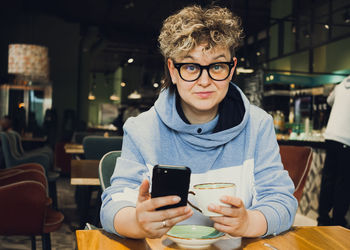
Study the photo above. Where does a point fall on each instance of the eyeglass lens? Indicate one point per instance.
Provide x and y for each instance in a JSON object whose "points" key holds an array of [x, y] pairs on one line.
{"points": [[217, 71]]}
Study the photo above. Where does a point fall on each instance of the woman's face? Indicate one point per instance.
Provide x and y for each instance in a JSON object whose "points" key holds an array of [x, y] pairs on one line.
{"points": [[200, 98]]}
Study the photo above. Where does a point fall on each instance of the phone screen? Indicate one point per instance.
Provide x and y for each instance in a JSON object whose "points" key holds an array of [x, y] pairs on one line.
{"points": [[171, 180]]}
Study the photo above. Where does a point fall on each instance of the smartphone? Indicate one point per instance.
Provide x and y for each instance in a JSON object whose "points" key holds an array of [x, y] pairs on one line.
{"points": [[171, 180]]}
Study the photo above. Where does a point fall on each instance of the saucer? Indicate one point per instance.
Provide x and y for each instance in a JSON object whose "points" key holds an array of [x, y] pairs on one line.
{"points": [[194, 236]]}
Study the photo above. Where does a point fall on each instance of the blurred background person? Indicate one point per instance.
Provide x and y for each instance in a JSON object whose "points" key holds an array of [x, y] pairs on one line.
{"points": [[335, 185]]}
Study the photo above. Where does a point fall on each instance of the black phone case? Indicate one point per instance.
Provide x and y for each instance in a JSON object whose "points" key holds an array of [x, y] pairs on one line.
{"points": [[171, 180]]}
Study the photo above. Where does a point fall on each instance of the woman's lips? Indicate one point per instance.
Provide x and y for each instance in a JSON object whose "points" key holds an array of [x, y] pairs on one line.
{"points": [[204, 94]]}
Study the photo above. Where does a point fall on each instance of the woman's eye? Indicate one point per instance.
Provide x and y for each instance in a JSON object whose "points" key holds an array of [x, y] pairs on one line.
{"points": [[191, 67], [217, 67]]}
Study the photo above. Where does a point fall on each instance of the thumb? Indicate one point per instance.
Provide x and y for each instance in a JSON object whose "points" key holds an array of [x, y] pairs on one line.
{"points": [[144, 191]]}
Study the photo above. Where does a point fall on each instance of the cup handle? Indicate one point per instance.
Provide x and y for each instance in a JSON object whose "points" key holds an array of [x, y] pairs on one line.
{"points": [[191, 192]]}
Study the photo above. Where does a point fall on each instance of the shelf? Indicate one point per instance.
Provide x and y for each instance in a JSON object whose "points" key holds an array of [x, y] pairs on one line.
{"points": [[324, 90]]}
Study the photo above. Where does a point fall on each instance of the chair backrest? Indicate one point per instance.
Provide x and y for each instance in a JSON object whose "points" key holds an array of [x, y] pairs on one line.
{"points": [[106, 168], [16, 175], [6, 150], [21, 212], [297, 161], [97, 146], [13, 143], [78, 136], [12, 160], [19, 146]]}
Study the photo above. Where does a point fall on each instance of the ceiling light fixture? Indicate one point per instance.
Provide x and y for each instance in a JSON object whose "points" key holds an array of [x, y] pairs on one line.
{"points": [[306, 34], [91, 96], [134, 95], [123, 84], [326, 26], [28, 63], [155, 85], [131, 60], [114, 97], [244, 70], [347, 17]]}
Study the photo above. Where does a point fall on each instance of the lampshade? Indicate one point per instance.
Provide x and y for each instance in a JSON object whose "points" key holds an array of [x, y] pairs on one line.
{"points": [[29, 62], [134, 95]]}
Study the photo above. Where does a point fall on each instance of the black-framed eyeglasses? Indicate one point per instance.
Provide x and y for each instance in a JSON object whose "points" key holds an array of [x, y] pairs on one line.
{"points": [[190, 72]]}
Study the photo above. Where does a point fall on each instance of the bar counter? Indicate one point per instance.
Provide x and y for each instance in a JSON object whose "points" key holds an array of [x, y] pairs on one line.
{"points": [[312, 144]]}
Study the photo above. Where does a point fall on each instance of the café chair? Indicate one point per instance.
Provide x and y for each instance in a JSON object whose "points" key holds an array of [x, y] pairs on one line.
{"points": [[78, 136], [297, 161], [21, 152], [12, 160], [8, 177], [22, 212], [18, 168], [106, 168], [97, 146]]}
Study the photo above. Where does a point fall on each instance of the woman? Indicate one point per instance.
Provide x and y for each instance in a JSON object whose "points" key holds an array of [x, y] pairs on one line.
{"points": [[203, 121]]}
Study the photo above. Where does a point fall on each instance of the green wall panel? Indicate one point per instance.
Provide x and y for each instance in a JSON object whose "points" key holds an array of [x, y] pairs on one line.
{"points": [[332, 57]]}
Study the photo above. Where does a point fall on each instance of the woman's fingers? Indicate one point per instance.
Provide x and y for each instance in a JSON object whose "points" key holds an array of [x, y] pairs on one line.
{"points": [[158, 202], [172, 221], [157, 223], [231, 200], [143, 191], [235, 218], [154, 222], [234, 210], [173, 214]]}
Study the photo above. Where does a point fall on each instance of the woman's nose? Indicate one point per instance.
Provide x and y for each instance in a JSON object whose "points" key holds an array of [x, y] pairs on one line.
{"points": [[204, 79]]}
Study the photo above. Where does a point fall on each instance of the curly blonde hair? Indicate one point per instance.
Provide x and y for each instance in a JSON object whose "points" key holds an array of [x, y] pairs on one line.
{"points": [[193, 26]]}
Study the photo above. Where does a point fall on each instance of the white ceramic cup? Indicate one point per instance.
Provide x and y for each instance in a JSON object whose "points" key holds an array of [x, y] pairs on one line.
{"points": [[207, 193]]}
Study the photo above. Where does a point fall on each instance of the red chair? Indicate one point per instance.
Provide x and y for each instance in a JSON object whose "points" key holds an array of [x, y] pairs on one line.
{"points": [[25, 207], [25, 166], [297, 161]]}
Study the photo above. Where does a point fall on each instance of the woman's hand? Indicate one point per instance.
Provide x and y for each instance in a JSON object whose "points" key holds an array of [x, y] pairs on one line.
{"points": [[236, 220], [155, 224]]}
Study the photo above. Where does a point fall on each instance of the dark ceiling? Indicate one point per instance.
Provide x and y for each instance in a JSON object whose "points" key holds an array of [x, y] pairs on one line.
{"points": [[138, 21], [132, 26]]}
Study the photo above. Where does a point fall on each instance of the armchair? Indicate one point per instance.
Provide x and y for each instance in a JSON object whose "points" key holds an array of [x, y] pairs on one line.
{"points": [[16, 138], [21, 212], [12, 160]]}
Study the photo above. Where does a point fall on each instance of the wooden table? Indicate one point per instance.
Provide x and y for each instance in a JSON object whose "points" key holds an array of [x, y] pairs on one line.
{"points": [[332, 237], [73, 148], [84, 172]]}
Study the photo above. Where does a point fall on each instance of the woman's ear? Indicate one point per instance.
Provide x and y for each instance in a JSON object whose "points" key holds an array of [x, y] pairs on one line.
{"points": [[171, 69], [234, 59]]}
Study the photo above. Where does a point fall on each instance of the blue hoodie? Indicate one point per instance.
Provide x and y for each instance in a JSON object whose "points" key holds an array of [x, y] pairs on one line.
{"points": [[246, 154]]}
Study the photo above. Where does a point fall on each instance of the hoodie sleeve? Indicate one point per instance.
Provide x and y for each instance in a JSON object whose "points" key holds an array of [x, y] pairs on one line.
{"points": [[129, 172], [274, 188]]}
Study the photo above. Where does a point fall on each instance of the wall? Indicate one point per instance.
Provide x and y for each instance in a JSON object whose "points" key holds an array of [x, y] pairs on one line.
{"points": [[61, 38], [333, 57], [106, 85], [330, 58]]}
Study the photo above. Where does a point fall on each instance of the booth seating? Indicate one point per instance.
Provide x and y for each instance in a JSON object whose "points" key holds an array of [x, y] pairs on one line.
{"points": [[25, 207]]}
